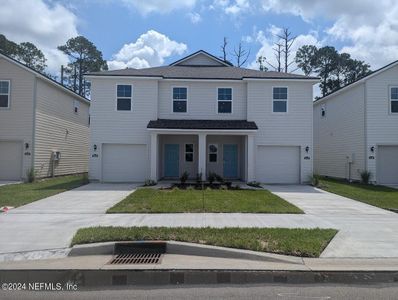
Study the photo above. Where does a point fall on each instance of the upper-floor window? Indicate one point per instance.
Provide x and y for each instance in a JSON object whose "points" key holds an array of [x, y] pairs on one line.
{"points": [[224, 100], [180, 97], [4, 93], [76, 106], [279, 99], [394, 99], [124, 97]]}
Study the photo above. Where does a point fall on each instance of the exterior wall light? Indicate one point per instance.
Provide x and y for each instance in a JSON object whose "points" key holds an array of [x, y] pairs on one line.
{"points": [[95, 147], [307, 149], [372, 149], [26, 146]]}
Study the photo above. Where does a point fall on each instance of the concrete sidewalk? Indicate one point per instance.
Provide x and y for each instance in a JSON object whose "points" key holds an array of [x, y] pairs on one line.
{"points": [[364, 231]]}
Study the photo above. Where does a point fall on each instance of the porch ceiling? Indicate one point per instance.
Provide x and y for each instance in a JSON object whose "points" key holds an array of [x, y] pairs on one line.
{"points": [[202, 124]]}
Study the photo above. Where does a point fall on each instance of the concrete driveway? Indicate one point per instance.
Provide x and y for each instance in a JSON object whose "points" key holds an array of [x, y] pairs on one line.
{"points": [[365, 231]]}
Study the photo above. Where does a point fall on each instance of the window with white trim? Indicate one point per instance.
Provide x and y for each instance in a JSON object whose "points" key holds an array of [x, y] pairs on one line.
{"points": [[189, 152], [76, 106], [124, 97], [279, 99], [180, 97], [224, 100], [213, 152], [394, 99], [4, 94]]}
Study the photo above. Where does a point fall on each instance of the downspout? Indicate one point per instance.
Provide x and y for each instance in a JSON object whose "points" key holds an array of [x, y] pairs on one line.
{"points": [[365, 121]]}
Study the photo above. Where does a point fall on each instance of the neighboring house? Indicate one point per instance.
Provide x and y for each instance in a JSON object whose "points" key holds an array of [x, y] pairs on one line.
{"points": [[200, 115], [356, 129], [39, 117]]}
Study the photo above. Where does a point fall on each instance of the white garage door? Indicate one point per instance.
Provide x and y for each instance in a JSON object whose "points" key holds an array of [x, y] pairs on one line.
{"points": [[387, 164], [124, 163], [10, 160], [278, 164]]}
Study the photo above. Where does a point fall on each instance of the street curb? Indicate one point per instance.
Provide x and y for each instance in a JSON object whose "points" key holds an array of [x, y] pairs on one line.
{"points": [[183, 248], [106, 278]]}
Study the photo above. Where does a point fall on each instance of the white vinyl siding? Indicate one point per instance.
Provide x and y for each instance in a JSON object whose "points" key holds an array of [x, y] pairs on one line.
{"points": [[202, 100], [200, 60]]}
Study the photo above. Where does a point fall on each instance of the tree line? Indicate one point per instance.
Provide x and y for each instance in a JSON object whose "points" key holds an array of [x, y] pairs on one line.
{"points": [[334, 69], [83, 56]]}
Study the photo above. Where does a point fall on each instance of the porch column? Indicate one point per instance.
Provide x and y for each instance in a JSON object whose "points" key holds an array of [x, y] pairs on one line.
{"points": [[202, 155], [154, 157], [250, 158]]}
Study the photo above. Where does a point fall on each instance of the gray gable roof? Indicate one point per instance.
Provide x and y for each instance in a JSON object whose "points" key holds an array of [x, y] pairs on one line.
{"points": [[199, 72], [202, 124]]}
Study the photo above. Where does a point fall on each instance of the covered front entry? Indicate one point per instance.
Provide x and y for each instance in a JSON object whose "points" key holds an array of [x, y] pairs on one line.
{"points": [[230, 160], [171, 160]]}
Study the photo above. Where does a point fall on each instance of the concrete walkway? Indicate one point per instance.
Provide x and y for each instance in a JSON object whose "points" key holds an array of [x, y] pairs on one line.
{"points": [[365, 231]]}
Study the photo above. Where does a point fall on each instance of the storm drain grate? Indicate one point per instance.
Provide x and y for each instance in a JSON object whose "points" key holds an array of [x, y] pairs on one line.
{"points": [[136, 258]]}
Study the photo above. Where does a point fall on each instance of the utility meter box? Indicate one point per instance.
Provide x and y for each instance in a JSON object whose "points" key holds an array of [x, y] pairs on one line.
{"points": [[351, 158], [56, 155]]}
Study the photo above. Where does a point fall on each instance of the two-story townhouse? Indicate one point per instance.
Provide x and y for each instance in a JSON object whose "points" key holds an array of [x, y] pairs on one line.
{"points": [[200, 115], [356, 129], [43, 125]]}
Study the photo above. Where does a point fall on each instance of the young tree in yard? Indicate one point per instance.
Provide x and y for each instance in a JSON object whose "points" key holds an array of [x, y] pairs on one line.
{"points": [[335, 69], [85, 57]]}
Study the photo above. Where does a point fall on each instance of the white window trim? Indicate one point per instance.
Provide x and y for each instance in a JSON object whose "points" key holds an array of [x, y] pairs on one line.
{"points": [[8, 94], [232, 100], [217, 153], [287, 100], [131, 98], [390, 99], [172, 99], [193, 153]]}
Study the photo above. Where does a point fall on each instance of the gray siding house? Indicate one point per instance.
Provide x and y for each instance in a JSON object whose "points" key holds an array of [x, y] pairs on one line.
{"points": [[200, 115], [356, 129], [39, 118]]}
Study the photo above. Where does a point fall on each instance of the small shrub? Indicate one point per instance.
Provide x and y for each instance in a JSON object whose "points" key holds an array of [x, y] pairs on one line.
{"points": [[365, 176], [31, 175], [149, 182], [314, 179], [254, 184], [199, 178], [212, 177], [184, 177], [219, 178]]}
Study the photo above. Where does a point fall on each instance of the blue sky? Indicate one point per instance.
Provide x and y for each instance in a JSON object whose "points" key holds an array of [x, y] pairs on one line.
{"points": [[144, 33]]}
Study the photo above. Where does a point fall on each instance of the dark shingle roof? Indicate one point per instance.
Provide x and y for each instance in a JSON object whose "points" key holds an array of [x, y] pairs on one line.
{"points": [[202, 124], [200, 72]]}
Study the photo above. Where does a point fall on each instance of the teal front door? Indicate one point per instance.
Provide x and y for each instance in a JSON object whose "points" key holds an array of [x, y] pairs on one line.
{"points": [[230, 156], [171, 160]]}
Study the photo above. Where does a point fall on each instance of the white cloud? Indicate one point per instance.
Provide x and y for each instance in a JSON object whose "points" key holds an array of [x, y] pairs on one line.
{"points": [[268, 39], [149, 50], [233, 7], [45, 25], [368, 28], [159, 6], [194, 17]]}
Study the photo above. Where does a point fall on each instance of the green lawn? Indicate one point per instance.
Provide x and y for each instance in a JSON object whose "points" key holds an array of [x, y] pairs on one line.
{"points": [[377, 195], [20, 194], [299, 242], [148, 200]]}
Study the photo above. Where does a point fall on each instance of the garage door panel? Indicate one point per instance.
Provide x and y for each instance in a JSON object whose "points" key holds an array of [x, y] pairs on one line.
{"points": [[278, 164], [10, 160], [124, 163], [387, 165]]}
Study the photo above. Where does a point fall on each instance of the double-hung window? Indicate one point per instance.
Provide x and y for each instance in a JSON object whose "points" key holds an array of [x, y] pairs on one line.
{"points": [[189, 152], [4, 93], [124, 97], [394, 99], [224, 100], [279, 99], [180, 97], [213, 152]]}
